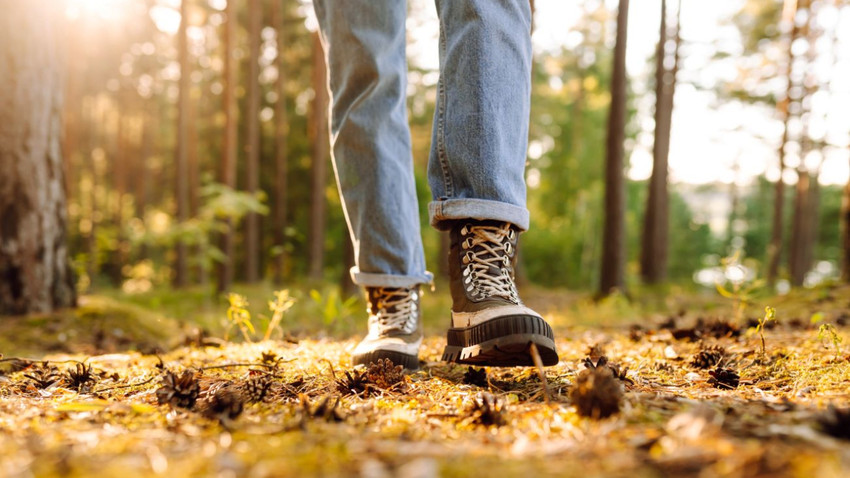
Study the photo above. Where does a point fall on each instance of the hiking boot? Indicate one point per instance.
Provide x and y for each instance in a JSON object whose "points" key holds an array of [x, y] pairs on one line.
{"points": [[490, 325], [395, 331]]}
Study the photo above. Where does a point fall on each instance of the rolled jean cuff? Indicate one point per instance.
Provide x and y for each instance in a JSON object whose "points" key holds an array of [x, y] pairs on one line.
{"points": [[446, 211], [371, 279]]}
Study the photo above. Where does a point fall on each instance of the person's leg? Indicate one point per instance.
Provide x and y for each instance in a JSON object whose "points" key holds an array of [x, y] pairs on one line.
{"points": [[365, 45], [476, 172]]}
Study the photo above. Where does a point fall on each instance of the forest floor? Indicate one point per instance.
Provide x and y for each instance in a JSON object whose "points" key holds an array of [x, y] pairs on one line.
{"points": [[294, 405]]}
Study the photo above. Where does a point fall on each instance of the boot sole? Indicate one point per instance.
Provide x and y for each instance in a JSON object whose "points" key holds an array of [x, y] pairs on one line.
{"points": [[502, 342], [409, 362]]}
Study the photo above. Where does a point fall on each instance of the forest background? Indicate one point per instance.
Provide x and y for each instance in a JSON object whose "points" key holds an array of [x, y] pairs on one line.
{"points": [[196, 151]]}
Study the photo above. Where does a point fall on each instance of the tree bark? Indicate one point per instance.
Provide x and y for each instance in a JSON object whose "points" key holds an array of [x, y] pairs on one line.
{"points": [[845, 233], [656, 220], [228, 162], [797, 254], [774, 249], [181, 269], [320, 151], [35, 275], [281, 132], [252, 139], [613, 241]]}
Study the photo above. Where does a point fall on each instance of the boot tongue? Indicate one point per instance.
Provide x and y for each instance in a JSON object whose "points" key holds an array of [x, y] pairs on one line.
{"points": [[376, 296]]}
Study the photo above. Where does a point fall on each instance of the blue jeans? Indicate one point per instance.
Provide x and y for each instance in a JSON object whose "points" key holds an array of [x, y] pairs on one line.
{"points": [[480, 133]]}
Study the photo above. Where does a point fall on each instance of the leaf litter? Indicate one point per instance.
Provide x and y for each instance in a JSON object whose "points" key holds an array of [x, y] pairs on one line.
{"points": [[646, 401]]}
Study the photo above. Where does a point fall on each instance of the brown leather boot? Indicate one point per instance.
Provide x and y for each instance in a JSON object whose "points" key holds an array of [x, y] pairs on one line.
{"points": [[490, 325], [395, 331]]}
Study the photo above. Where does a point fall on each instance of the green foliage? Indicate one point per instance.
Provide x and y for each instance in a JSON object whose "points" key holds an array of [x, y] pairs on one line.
{"points": [[280, 305], [828, 332], [238, 315], [742, 291], [332, 308], [769, 315]]}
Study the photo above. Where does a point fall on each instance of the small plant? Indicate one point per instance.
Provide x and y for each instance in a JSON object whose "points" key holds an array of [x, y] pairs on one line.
{"points": [[282, 302], [828, 332], [239, 315], [332, 307], [769, 315], [742, 291]]}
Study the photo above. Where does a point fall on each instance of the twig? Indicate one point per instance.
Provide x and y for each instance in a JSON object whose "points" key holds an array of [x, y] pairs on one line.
{"points": [[129, 385], [20, 359], [228, 365], [331, 365], [535, 355]]}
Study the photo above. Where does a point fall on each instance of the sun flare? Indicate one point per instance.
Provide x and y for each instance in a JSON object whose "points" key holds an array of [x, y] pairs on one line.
{"points": [[106, 9]]}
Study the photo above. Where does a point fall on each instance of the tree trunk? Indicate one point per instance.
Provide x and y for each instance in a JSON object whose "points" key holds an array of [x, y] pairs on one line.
{"points": [[613, 240], [181, 270], [228, 162], [35, 275], [252, 139], [656, 220], [281, 169], [320, 150], [797, 254], [845, 233], [812, 221], [774, 249]]}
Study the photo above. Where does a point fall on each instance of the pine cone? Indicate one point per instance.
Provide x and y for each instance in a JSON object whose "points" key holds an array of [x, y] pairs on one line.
{"points": [[179, 391], [80, 377], [724, 378], [596, 393], [384, 374], [475, 377], [257, 387], [225, 404], [486, 410], [708, 357], [44, 375], [354, 383]]}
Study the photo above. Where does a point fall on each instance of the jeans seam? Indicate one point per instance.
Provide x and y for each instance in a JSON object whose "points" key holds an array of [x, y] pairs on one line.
{"points": [[441, 131]]}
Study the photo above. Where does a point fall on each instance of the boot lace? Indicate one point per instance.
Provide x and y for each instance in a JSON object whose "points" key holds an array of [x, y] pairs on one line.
{"points": [[487, 268], [394, 309]]}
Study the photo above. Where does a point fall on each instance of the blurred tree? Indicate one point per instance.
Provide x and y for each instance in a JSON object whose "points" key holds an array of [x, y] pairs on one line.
{"points": [[845, 233], [654, 250], [774, 249], [281, 190], [181, 270], [613, 236], [35, 275], [804, 220], [320, 151], [228, 163], [252, 139]]}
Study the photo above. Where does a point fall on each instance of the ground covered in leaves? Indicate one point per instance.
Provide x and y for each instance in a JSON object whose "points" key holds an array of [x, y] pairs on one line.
{"points": [[690, 393]]}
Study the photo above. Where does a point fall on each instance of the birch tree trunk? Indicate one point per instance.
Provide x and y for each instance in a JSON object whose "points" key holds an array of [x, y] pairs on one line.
{"points": [[35, 275]]}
